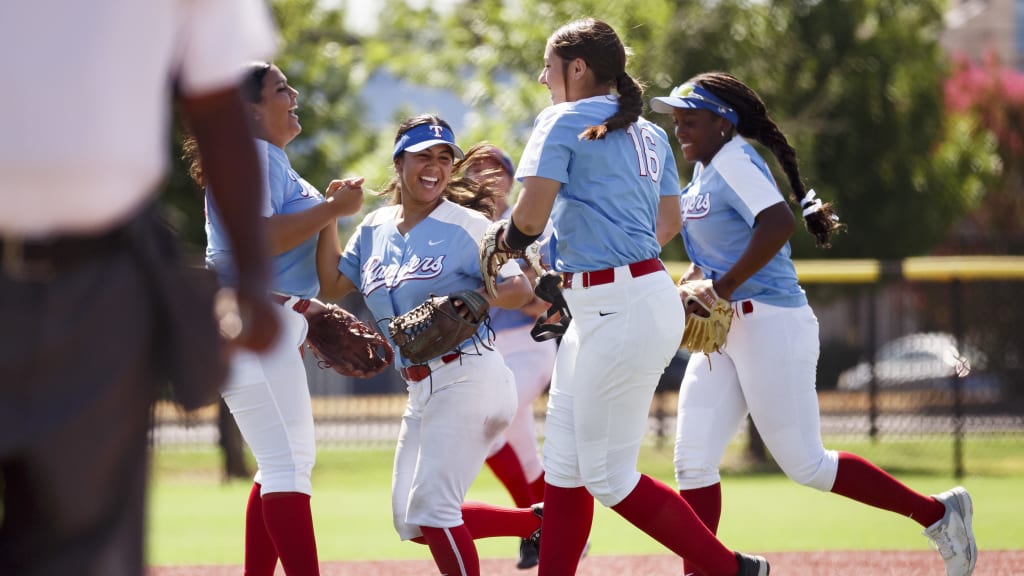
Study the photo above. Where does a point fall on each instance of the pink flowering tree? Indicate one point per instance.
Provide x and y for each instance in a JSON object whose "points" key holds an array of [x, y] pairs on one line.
{"points": [[992, 95]]}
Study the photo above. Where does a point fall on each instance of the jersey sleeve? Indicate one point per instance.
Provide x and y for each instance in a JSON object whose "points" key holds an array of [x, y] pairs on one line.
{"points": [[273, 180], [217, 37], [549, 150], [755, 190]]}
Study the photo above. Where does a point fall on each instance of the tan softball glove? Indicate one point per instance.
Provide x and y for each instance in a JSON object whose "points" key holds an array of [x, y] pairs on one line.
{"points": [[706, 329]]}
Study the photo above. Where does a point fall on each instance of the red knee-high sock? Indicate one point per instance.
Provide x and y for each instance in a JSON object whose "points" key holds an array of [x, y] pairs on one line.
{"points": [[537, 489], [487, 521], [864, 482], [260, 554], [290, 525], [568, 513], [453, 550], [509, 470], [707, 504], [663, 514]]}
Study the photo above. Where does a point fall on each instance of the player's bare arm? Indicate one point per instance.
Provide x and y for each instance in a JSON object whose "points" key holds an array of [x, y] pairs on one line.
{"points": [[333, 284], [512, 293], [231, 165], [670, 219], [286, 231], [533, 208], [773, 227]]}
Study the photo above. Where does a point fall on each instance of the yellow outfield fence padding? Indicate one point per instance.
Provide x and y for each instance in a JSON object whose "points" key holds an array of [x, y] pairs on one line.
{"points": [[915, 269]]}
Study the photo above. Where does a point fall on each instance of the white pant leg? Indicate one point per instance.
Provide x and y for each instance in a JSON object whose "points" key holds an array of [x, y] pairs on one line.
{"points": [[625, 335], [407, 453], [776, 351], [531, 363], [461, 409], [268, 396], [710, 411]]}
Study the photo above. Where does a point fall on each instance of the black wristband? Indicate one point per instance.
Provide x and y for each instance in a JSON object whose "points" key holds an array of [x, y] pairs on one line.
{"points": [[514, 237]]}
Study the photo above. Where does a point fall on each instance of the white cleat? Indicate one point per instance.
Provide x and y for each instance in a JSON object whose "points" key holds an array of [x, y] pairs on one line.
{"points": [[952, 535]]}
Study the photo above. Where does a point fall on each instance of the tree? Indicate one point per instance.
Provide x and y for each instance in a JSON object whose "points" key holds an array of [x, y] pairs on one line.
{"points": [[855, 84], [989, 99]]}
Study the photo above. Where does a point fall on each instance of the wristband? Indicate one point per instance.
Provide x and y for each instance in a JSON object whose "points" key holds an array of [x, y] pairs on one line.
{"points": [[515, 239]]}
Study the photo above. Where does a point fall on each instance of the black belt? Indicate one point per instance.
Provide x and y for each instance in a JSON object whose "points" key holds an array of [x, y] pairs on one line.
{"points": [[22, 259]]}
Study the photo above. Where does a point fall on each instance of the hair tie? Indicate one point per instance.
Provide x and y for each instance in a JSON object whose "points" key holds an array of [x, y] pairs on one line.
{"points": [[810, 203]]}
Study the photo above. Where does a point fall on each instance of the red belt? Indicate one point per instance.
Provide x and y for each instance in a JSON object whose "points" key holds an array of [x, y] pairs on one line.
{"points": [[607, 276], [418, 372], [300, 306]]}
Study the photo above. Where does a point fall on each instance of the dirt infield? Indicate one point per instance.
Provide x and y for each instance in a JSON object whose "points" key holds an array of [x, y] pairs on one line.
{"points": [[917, 563]]}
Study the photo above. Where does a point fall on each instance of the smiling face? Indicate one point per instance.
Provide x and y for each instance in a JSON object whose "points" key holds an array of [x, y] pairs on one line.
{"points": [[699, 133], [553, 75], [425, 174], [276, 120]]}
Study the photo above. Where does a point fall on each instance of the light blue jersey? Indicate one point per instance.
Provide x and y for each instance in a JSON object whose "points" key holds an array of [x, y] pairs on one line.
{"points": [[285, 193], [396, 273], [605, 212], [719, 206]]}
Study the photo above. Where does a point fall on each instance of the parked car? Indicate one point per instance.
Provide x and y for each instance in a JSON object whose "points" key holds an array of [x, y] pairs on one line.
{"points": [[920, 361]]}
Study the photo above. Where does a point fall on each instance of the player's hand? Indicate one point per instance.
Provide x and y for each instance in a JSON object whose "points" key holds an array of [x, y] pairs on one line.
{"points": [[345, 196]]}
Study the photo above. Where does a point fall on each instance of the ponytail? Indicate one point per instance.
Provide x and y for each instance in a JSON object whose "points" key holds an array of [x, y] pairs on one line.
{"points": [[631, 104]]}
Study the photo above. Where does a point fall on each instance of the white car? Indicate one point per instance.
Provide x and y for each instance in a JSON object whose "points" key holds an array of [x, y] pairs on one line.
{"points": [[925, 360]]}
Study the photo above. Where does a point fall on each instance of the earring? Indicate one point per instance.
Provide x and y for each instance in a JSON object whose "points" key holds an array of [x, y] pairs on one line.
{"points": [[722, 133]]}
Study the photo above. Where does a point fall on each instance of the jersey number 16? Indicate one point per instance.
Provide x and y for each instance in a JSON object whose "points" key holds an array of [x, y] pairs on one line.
{"points": [[647, 158]]}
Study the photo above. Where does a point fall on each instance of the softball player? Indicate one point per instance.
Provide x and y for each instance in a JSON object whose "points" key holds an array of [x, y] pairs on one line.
{"points": [[736, 230], [604, 175], [515, 456], [267, 392], [461, 402]]}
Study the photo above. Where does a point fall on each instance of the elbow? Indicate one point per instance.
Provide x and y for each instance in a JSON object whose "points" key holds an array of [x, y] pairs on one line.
{"points": [[330, 288]]}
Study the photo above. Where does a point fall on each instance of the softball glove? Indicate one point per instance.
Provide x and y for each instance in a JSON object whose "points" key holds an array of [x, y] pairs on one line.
{"points": [[493, 256], [705, 333], [437, 326], [341, 341]]}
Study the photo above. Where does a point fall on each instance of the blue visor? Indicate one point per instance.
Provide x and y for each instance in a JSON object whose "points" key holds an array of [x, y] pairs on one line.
{"points": [[424, 136], [693, 96]]}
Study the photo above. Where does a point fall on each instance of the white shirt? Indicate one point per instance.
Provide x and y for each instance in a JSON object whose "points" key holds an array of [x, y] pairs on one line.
{"points": [[84, 134]]}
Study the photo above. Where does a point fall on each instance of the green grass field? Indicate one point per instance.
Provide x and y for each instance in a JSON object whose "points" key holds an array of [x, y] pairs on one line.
{"points": [[196, 518]]}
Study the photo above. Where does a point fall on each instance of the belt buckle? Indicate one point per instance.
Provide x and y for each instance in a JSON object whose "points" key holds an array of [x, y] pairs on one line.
{"points": [[16, 267]]}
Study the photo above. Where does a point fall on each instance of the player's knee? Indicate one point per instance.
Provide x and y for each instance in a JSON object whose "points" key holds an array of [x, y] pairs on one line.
{"points": [[819, 473], [610, 489]]}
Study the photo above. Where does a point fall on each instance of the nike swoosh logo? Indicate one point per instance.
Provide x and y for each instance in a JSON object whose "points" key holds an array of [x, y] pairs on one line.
{"points": [[434, 242], [599, 313]]}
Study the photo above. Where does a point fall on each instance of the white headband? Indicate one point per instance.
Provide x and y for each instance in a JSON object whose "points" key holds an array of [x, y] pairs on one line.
{"points": [[810, 203]]}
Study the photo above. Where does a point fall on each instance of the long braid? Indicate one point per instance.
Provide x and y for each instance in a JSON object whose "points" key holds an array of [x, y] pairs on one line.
{"points": [[755, 123], [631, 105]]}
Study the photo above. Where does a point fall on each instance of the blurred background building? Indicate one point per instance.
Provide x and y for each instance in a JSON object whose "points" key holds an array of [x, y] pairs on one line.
{"points": [[977, 28]]}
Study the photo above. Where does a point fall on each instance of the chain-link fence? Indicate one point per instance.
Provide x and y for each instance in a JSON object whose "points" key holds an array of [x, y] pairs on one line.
{"points": [[927, 360]]}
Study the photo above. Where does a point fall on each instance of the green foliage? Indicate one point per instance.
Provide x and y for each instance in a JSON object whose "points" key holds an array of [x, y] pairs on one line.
{"points": [[856, 85], [327, 65]]}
